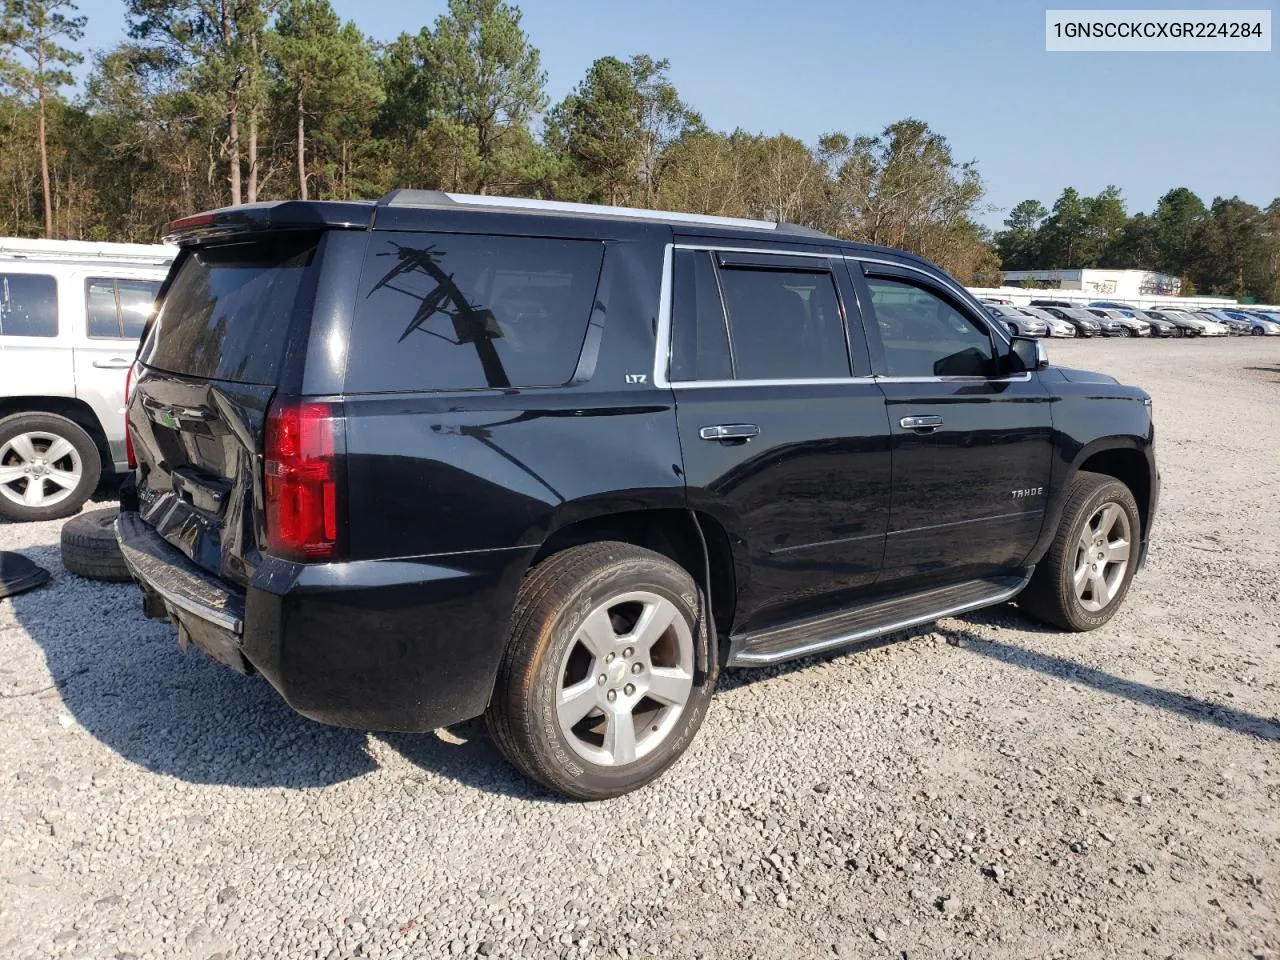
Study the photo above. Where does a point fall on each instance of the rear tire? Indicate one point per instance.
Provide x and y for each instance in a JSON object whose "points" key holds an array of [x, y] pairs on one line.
{"points": [[89, 547], [602, 687], [49, 466], [1083, 579]]}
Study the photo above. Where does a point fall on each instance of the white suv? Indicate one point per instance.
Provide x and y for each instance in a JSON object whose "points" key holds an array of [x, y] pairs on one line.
{"points": [[70, 317]]}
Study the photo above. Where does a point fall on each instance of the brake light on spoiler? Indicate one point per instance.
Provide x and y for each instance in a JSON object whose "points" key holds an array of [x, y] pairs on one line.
{"points": [[300, 480]]}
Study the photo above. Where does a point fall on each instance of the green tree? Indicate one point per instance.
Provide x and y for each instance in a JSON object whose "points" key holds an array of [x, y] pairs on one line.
{"points": [[1104, 222], [597, 130], [664, 118], [326, 72], [1232, 252], [490, 81], [1178, 220], [213, 48], [1135, 248], [1019, 243], [35, 65], [1064, 232]]}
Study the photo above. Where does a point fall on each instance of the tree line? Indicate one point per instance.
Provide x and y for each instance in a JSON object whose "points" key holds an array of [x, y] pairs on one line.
{"points": [[211, 103], [1227, 248]]}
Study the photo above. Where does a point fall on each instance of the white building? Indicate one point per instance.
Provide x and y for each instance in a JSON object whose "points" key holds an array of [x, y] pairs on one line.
{"points": [[1120, 284]]}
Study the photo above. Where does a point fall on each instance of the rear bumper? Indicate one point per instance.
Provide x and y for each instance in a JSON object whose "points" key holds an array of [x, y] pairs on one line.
{"points": [[410, 644]]}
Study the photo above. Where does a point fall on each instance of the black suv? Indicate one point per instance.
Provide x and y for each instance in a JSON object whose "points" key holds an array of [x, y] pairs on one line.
{"points": [[437, 456]]}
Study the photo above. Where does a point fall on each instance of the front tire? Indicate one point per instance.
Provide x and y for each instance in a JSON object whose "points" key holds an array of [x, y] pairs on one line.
{"points": [[49, 466], [603, 684], [1083, 579]]}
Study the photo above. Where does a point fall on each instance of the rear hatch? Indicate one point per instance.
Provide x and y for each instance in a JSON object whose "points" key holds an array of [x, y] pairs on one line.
{"points": [[230, 331]]}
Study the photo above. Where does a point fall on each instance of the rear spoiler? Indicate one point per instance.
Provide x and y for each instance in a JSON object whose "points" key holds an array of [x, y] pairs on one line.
{"points": [[261, 217]]}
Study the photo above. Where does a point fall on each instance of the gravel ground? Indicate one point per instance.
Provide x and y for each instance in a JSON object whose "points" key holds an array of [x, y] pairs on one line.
{"points": [[987, 789]]}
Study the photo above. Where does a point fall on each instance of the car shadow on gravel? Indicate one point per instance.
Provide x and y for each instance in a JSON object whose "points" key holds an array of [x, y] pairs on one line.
{"points": [[463, 754], [124, 680], [1060, 668]]}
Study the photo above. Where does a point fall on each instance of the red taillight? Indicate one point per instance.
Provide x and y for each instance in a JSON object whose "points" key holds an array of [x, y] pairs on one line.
{"points": [[128, 434], [301, 481]]}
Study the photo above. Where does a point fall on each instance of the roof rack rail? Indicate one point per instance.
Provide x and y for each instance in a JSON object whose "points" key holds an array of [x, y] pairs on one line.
{"points": [[143, 254], [441, 199]]}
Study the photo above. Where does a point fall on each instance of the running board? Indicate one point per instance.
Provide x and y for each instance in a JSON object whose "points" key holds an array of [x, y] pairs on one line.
{"points": [[820, 634]]}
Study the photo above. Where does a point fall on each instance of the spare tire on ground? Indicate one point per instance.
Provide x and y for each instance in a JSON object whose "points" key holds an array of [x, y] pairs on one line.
{"points": [[89, 547]]}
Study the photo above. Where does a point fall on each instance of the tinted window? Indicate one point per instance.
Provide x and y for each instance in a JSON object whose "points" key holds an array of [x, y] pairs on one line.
{"points": [[227, 313], [28, 305], [118, 308], [100, 308], [784, 324], [925, 336], [137, 297], [456, 311], [700, 344]]}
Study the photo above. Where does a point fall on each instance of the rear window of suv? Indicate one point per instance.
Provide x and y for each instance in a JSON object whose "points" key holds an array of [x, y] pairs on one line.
{"points": [[440, 311], [227, 313]]}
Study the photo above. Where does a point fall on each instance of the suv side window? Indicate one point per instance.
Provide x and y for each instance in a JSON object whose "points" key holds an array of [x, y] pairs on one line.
{"points": [[784, 324], [118, 309], [924, 335], [700, 339], [439, 311], [28, 305]]}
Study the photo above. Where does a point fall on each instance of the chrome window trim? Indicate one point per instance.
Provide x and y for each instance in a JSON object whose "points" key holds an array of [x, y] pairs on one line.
{"points": [[759, 250], [1019, 378], [662, 357], [662, 348]]}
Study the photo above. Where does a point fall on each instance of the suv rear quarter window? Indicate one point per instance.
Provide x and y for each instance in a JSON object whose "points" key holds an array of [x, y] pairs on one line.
{"points": [[440, 311]]}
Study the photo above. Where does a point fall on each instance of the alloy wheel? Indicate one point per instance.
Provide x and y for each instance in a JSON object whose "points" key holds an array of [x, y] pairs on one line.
{"points": [[1102, 556], [39, 469], [625, 679]]}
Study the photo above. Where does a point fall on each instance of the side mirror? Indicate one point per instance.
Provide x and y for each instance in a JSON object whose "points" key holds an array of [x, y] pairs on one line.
{"points": [[1027, 354]]}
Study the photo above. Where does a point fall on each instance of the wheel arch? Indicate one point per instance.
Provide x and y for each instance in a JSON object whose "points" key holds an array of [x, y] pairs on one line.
{"points": [[1128, 464], [694, 540], [75, 410]]}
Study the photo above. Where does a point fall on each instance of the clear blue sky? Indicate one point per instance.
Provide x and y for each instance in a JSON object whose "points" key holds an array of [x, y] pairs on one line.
{"points": [[976, 71]]}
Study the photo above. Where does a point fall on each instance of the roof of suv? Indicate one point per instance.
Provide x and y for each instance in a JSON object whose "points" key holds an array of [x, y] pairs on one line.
{"points": [[409, 209]]}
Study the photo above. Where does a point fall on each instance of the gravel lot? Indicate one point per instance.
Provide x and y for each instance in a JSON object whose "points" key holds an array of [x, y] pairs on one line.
{"points": [[989, 789]]}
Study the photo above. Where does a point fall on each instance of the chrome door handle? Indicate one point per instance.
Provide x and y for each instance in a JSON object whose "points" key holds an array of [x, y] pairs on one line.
{"points": [[730, 431], [928, 422], [115, 363]]}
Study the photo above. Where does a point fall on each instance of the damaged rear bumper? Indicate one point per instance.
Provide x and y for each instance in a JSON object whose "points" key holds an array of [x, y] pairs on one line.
{"points": [[204, 611]]}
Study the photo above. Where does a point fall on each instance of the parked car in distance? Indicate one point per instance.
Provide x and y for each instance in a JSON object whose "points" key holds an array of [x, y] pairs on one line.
{"points": [[1017, 322], [1184, 327], [1054, 326], [1207, 327], [1160, 327], [1127, 309], [1086, 324], [1130, 326], [1181, 327], [70, 317], [1237, 327], [1259, 326], [434, 458]]}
